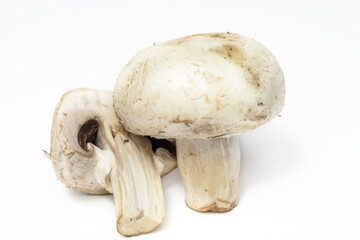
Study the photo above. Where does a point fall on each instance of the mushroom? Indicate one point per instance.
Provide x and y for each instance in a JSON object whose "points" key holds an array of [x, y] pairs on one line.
{"points": [[202, 90], [92, 152]]}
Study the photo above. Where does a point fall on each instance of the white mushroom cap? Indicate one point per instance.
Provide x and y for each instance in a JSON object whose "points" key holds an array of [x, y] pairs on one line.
{"points": [[74, 164], [201, 86]]}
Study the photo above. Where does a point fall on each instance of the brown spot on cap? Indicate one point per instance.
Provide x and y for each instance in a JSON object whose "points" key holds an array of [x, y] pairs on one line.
{"points": [[231, 52], [257, 118], [177, 120], [218, 35], [237, 56]]}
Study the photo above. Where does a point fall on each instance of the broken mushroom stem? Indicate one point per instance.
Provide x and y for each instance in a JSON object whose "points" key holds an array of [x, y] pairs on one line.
{"points": [[134, 180], [210, 171]]}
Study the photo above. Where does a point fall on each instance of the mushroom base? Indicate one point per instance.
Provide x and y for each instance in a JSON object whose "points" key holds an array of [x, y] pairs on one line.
{"points": [[210, 171]]}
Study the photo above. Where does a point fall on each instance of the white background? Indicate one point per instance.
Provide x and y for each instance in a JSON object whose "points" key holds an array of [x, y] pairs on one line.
{"points": [[300, 172]]}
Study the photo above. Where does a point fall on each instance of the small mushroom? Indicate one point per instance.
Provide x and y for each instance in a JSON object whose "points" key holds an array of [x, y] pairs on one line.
{"points": [[202, 90], [92, 152]]}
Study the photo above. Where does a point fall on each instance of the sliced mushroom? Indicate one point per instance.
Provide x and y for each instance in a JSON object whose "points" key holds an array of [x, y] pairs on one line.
{"points": [[202, 90], [92, 152]]}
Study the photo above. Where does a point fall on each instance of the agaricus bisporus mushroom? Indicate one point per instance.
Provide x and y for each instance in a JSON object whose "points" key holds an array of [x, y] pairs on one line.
{"points": [[202, 90], [92, 152]]}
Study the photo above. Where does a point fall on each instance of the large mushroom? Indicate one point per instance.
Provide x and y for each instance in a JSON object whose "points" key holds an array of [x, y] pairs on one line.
{"points": [[93, 153], [202, 90]]}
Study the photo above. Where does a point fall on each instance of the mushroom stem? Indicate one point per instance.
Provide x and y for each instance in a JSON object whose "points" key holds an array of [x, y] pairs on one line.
{"points": [[142, 200], [210, 171], [135, 182]]}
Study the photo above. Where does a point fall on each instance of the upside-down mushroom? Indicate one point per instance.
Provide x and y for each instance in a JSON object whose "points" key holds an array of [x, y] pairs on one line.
{"points": [[92, 152], [202, 90]]}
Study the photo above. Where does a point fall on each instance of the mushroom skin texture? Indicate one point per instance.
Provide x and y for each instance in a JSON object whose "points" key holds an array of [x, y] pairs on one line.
{"points": [[205, 86], [91, 152]]}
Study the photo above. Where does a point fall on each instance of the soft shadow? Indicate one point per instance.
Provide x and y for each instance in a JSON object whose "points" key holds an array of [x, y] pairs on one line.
{"points": [[81, 196], [268, 155], [172, 188], [172, 180]]}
